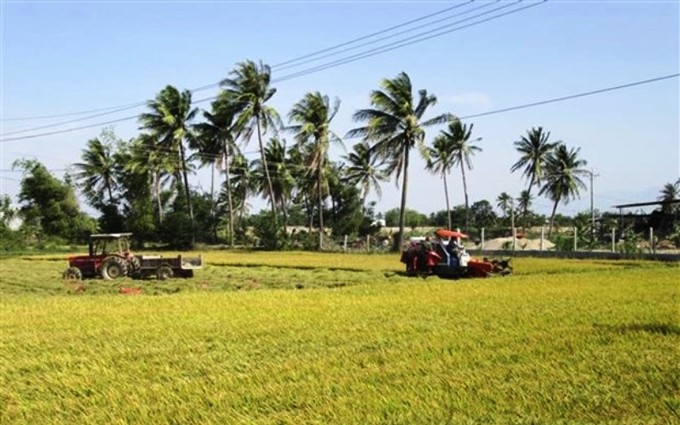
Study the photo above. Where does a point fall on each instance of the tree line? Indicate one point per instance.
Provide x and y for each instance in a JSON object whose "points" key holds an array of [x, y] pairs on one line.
{"points": [[143, 184]]}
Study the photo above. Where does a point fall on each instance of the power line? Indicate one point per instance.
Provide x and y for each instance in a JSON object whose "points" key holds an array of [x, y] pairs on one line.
{"points": [[365, 37], [372, 52], [573, 96], [368, 43], [68, 114], [497, 111], [417, 38], [118, 108]]}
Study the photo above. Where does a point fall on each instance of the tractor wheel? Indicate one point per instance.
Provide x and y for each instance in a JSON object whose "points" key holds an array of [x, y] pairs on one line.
{"points": [[113, 268], [134, 265], [164, 272], [73, 273]]}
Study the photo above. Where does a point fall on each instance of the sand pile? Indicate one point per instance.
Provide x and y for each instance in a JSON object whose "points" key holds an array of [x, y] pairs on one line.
{"points": [[520, 244]]}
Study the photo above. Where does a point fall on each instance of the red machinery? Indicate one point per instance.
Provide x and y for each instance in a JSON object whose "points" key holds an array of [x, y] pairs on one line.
{"points": [[449, 259]]}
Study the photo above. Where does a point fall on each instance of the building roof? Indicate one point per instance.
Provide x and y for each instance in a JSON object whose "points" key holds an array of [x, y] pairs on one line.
{"points": [[647, 204]]}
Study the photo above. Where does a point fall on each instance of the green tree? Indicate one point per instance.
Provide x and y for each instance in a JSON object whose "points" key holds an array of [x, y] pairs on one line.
{"points": [[169, 120], [313, 115], [534, 149], [441, 161], [413, 218], [364, 169], [250, 88], [524, 202], [396, 126], [669, 193], [135, 176], [506, 204], [243, 184], [215, 141], [458, 136], [96, 175], [50, 205], [281, 179], [346, 213], [482, 215], [563, 172], [154, 168]]}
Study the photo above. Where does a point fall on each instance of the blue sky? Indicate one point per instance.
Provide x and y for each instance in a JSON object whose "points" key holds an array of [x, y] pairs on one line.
{"points": [[69, 56]]}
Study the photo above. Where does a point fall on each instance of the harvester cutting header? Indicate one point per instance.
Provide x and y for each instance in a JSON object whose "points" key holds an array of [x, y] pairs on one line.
{"points": [[445, 256]]}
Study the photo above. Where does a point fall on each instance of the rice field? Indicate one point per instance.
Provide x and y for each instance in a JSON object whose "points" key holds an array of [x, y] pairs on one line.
{"points": [[308, 338]]}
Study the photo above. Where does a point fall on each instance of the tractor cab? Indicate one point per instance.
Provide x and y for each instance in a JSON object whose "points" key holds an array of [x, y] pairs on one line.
{"points": [[108, 256], [107, 243]]}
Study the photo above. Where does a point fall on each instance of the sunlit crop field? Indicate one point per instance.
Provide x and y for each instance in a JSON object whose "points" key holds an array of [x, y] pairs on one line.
{"points": [[334, 338]]}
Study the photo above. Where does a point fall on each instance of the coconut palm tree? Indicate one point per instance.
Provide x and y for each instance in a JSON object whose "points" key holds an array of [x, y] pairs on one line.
{"points": [[396, 126], [147, 159], [215, 143], [458, 135], [313, 115], [97, 173], [563, 172], [277, 167], [364, 170], [169, 121], [669, 193], [534, 149], [524, 201], [506, 204], [243, 183], [440, 161], [250, 88]]}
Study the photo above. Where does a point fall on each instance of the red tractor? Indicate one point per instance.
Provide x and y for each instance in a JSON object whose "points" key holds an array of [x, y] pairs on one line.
{"points": [[109, 257]]}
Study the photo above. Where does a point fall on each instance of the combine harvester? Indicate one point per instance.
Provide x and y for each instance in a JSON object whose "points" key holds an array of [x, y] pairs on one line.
{"points": [[444, 256]]}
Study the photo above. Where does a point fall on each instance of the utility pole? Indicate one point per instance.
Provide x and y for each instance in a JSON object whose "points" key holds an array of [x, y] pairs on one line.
{"points": [[592, 175]]}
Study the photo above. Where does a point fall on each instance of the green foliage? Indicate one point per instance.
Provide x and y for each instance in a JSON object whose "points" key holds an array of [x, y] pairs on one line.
{"points": [[345, 217], [563, 242], [50, 206], [629, 243], [675, 236], [439, 219], [270, 234], [412, 218], [482, 215]]}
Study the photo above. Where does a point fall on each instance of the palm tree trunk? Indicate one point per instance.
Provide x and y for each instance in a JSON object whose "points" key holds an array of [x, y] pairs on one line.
{"points": [[157, 193], [187, 192], [512, 216], [448, 206], [284, 212], [213, 206], [552, 216], [108, 187], [229, 199], [320, 200], [402, 211], [525, 211], [266, 168], [467, 204]]}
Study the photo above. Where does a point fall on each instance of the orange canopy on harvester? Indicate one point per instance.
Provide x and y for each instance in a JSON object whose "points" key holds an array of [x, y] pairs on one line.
{"points": [[444, 233]]}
